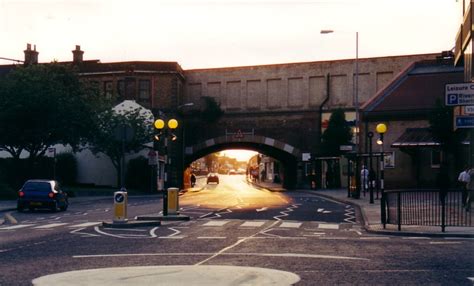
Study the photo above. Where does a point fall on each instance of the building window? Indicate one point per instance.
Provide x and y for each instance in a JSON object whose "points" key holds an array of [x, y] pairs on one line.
{"points": [[435, 158], [108, 89], [121, 88], [144, 89]]}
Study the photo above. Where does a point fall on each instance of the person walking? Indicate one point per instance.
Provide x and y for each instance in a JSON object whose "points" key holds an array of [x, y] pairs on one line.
{"points": [[364, 179], [193, 180], [464, 179]]}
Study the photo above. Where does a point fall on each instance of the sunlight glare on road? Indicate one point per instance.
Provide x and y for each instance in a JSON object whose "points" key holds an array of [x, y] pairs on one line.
{"points": [[239, 154]]}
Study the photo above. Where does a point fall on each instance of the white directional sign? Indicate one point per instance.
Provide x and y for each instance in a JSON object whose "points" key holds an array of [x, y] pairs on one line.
{"points": [[459, 94]]}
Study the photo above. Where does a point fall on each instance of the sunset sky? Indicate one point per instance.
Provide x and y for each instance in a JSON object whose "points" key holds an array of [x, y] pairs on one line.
{"points": [[220, 33]]}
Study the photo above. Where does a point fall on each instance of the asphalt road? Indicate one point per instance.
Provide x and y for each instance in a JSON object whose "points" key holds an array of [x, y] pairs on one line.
{"points": [[232, 224]]}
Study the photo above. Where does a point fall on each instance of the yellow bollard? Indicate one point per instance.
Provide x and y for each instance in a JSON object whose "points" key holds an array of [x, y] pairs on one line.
{"points": [[120, 206]]}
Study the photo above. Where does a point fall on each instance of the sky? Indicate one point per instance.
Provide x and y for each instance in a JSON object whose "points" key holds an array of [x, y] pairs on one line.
{"points": [[225, 33]]}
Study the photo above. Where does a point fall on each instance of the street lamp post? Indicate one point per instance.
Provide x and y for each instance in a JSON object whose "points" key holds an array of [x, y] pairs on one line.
{"points": [[381, 128], [370, 134], [165, 134]]}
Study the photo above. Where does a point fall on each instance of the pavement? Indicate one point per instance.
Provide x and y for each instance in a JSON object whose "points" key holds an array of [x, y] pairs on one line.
{"points": [[370, 213]]}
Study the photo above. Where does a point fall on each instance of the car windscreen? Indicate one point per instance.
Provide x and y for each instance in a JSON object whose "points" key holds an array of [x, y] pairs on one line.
{"points": [[37, 186]]}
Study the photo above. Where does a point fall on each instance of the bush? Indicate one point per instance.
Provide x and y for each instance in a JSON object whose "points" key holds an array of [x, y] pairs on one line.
{"points": [[138, 174]]}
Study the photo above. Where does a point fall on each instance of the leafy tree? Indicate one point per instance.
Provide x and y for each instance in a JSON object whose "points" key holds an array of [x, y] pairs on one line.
{"points": [[338, 133], [43, 105], [105, 141]]}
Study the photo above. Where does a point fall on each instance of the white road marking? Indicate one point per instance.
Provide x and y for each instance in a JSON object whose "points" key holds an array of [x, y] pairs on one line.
{"points": [[86, 224], [172, 237], [212, 237], [252, 224], [215, 223], [15, 226], [84, 234], [51, 225], [415, 238], [328, 226], [375, 237], [290, 224], [294, 255]]}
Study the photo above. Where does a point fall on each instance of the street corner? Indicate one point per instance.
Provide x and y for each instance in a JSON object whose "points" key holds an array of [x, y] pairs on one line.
{"points": [[171, 275]]}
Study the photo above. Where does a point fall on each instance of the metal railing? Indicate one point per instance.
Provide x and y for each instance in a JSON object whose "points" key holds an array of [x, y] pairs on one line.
{"points": [[427, 208]]}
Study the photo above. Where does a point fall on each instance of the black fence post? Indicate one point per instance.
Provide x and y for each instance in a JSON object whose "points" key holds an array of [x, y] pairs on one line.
{"points": [[399, 211], [443, 210]]}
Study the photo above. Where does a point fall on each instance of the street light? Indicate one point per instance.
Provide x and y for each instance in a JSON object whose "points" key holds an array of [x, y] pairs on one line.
{"points": [[381, 128], [370, 134], [165, 133], [356, 88]]}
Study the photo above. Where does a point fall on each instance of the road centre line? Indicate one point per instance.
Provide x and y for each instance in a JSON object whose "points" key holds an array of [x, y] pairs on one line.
{"points": [[211, 237], [286, 255]]}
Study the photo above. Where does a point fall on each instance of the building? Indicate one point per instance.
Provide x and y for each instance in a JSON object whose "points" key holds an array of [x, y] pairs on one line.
{"points": [[405, 106]]}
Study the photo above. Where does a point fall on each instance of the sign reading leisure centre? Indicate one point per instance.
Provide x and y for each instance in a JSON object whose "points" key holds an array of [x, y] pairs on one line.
{"points": [[459, 94]]}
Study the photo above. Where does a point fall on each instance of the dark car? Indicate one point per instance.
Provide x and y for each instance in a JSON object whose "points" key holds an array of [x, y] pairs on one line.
{"points": [[40, 194], [212, 178]]}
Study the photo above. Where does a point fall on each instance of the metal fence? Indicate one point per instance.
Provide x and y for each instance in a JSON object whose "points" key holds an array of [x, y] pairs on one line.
{"points": [[427, 207]]}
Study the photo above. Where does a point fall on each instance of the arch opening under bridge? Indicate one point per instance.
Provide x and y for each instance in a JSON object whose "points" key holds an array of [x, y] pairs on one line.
{"points": [[286, 154]]}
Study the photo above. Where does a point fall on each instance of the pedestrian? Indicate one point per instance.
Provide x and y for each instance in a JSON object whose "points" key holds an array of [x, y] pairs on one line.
{"points": [[193, 180], [470, 190], [464, 179], [364, 178]]}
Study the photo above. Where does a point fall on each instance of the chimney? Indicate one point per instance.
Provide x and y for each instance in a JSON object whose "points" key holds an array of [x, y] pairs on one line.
{"points": [[77, 55], [31, 56]]}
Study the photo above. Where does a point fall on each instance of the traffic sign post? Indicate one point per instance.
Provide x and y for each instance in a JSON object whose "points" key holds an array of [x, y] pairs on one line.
{"points": [[462, 94], [459, 94]]}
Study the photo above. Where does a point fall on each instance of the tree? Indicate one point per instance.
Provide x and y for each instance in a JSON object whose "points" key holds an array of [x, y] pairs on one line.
{"points": [[338, 133], [43, 105], [105, 141]]}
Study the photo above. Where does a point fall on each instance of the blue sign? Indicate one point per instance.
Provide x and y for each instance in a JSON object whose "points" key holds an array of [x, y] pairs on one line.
{"points": [[459, 94], [464, 121]]}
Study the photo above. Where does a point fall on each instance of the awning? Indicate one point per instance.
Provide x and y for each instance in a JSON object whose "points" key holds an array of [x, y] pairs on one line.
{"points": [[415, 137]]}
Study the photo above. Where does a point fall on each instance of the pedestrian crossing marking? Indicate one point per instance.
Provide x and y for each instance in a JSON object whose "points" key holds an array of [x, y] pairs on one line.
{"points": [[15, 226], [252, 224], [328, 226], [215, 223], [86, 224], [290, 224], [51, 225]]}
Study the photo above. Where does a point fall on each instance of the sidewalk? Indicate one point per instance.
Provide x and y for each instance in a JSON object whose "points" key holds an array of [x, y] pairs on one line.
{"points": [[371, 214]]}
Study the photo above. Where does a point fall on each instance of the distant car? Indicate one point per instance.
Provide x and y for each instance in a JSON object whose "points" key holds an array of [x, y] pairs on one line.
{"points": [[40, 194], [232, 172], [212, 178]]}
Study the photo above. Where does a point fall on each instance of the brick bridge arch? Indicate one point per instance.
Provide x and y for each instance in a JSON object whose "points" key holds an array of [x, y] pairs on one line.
{"points": [[285, 153]]}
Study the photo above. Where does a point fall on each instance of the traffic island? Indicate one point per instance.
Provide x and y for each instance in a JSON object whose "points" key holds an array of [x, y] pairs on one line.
{"points": [[174, 217], [129, 224]]}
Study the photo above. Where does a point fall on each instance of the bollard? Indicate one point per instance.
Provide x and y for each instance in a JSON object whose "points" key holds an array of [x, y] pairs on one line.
{"points": [[120, 206], [173, 204]]}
